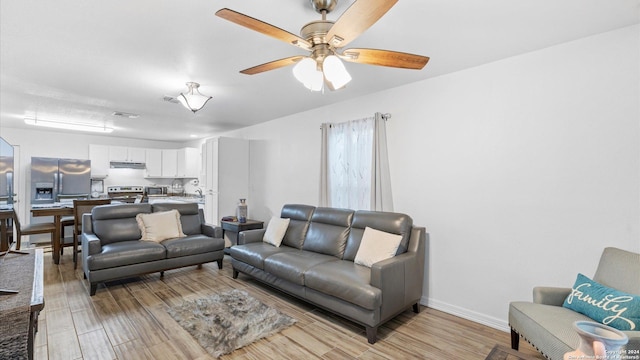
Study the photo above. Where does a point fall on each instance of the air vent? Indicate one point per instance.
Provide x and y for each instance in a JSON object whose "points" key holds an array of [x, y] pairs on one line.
{"points": [[125, 114], [170, 99]]}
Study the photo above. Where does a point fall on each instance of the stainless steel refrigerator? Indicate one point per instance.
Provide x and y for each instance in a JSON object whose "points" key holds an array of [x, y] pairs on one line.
{"points": [[57, 180]]}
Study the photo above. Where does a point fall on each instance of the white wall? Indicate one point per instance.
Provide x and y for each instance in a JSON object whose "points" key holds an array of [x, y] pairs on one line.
{"points": [[522, 170]]}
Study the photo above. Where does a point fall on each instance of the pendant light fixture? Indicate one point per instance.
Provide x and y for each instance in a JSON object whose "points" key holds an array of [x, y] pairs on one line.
{"points": [[193, 99]]}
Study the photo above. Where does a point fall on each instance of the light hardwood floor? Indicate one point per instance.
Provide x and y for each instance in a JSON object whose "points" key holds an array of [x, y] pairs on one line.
{"points": [[128, 320]]}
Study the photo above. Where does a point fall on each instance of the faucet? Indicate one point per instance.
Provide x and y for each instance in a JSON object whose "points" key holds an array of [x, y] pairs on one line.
{"points": [[199, 191]]}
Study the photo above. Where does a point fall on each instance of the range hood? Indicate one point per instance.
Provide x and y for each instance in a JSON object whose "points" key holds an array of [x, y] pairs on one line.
{"points": [[127, 165]]}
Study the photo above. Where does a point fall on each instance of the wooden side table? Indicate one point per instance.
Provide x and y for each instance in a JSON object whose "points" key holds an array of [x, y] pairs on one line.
{"points": [[232, 228]]}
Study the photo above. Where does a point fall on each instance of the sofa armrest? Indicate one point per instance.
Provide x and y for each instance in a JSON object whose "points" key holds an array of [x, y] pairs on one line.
{"points": [[211, 230], [250, 236], [90, 244], [396, 277], [550, 295]]}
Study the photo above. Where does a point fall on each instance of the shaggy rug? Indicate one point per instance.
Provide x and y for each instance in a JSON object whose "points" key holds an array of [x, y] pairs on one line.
{"points": [[228, 321]]}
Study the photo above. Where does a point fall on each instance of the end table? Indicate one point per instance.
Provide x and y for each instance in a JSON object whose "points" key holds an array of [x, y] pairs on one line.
{"points": [[232, 228]]}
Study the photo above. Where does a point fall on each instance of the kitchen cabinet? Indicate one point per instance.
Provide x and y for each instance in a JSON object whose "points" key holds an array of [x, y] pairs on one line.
{"points": [[226, 176], [170, 163], [188, 162], [153, 160], [126, 154], [99, 156]]}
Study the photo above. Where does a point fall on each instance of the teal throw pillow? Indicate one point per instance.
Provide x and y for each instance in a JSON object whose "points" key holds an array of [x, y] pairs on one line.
{"points": [[604, 304]]}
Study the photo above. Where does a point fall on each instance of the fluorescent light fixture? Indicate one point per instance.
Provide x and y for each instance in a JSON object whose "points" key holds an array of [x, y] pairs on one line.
{"points": [[193, 99], [306, 71], [68, 126]]}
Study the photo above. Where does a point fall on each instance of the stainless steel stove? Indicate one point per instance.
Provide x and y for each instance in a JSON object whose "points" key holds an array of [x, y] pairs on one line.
{"points": [[125, 194]]}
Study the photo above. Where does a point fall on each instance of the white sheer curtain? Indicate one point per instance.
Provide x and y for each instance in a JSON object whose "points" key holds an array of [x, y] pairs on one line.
{"points": [[354, 165]]}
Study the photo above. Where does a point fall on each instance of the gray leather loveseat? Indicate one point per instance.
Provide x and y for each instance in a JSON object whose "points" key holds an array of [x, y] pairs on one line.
{"points": [[315, 262], [112, 249]]}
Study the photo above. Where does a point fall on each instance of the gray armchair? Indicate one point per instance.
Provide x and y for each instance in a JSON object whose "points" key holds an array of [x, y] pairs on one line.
{"points": [[546, 325]]}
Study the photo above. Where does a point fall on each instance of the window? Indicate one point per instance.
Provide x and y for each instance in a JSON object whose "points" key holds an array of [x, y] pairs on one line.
{"points": [[354, 159]]}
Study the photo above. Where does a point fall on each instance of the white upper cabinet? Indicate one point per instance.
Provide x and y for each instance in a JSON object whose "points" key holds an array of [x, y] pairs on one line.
{"points": [[99, 156], [126, 154], [188, 163], [153, 160], [170, 163]]}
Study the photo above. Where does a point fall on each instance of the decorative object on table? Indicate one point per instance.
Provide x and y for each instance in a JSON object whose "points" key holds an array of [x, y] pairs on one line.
{"points": [[228, 321], [242, 211], [597, 341]]}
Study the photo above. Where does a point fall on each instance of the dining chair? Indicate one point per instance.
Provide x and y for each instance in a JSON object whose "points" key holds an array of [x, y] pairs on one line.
{"points": [[32, 229], [81, 207]]}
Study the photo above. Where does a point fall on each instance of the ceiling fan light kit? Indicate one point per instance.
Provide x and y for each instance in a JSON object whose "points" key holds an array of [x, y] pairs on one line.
{"points": [[323, 38], [193, 99]]}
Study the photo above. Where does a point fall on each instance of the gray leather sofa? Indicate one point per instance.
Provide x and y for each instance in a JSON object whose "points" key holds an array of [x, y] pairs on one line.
{"points": [[315, 263], [112, 249], [548, 326]]}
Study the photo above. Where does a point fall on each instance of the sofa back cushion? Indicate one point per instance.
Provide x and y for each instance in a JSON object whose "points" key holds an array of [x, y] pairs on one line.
{"points": [[191, 217], [328, 231], [117, 222], [300, 216], [394, 223]]}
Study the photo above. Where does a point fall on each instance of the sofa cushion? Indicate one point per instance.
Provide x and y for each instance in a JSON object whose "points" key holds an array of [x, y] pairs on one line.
{"points": [[344, 280], [192, 245], [191, 217], [160, 226], [299, 216], [376, 246], [394, 223], [123, 253], [292, 265], [276, 228], [604, 304], [254, 254], [548, 327], [117, 222], [328, 231]]}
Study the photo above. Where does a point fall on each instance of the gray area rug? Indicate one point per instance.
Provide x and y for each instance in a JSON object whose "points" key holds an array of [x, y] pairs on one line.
{"points": [[228, 321]]}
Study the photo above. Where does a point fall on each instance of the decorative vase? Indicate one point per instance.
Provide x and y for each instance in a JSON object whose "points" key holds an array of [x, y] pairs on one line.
{"points": [[598, 341], [242, 211]]}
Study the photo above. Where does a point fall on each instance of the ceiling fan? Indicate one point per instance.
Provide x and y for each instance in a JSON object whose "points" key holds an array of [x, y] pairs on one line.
{"points": [[325, 39]]}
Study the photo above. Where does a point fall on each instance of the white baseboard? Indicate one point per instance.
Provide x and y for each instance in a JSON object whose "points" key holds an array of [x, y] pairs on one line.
{"points": [[471, 315]]}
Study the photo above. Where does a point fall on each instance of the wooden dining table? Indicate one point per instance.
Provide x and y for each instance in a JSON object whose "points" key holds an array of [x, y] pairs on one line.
{"points": [[57, 212]]}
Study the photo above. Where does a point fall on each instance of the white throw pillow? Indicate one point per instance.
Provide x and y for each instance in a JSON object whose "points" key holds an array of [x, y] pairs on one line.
{"points": [[276, 228], [160, 226], [376, 246]]}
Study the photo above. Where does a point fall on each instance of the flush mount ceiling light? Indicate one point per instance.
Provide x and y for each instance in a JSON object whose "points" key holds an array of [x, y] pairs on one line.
{"points": [[68, 126], [193, 99]]}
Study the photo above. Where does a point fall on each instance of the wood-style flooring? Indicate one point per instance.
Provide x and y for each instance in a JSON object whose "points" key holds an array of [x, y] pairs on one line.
{"points": [[128, 320]]}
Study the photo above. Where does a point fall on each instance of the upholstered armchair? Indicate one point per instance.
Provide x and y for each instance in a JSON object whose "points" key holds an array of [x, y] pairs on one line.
{"points": [[548, 326]]}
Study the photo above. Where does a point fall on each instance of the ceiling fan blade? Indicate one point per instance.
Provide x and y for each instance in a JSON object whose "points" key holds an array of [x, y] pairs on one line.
{"points": [[263, 27], [385, 58], [356, 19], [272, 65]]}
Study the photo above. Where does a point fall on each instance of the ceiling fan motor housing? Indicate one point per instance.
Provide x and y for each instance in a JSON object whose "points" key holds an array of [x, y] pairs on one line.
{"points": [[324, 5]]}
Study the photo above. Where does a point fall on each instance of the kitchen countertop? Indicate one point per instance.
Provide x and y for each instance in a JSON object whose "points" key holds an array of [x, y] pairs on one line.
{"points": [[176, 199]]}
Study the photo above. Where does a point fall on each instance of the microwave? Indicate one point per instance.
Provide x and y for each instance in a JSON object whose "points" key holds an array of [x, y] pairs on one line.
{"points": [[156, 190]]}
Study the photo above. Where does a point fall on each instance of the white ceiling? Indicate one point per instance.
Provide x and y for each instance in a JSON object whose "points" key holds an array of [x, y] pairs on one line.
{"points": [[81, 60]]}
